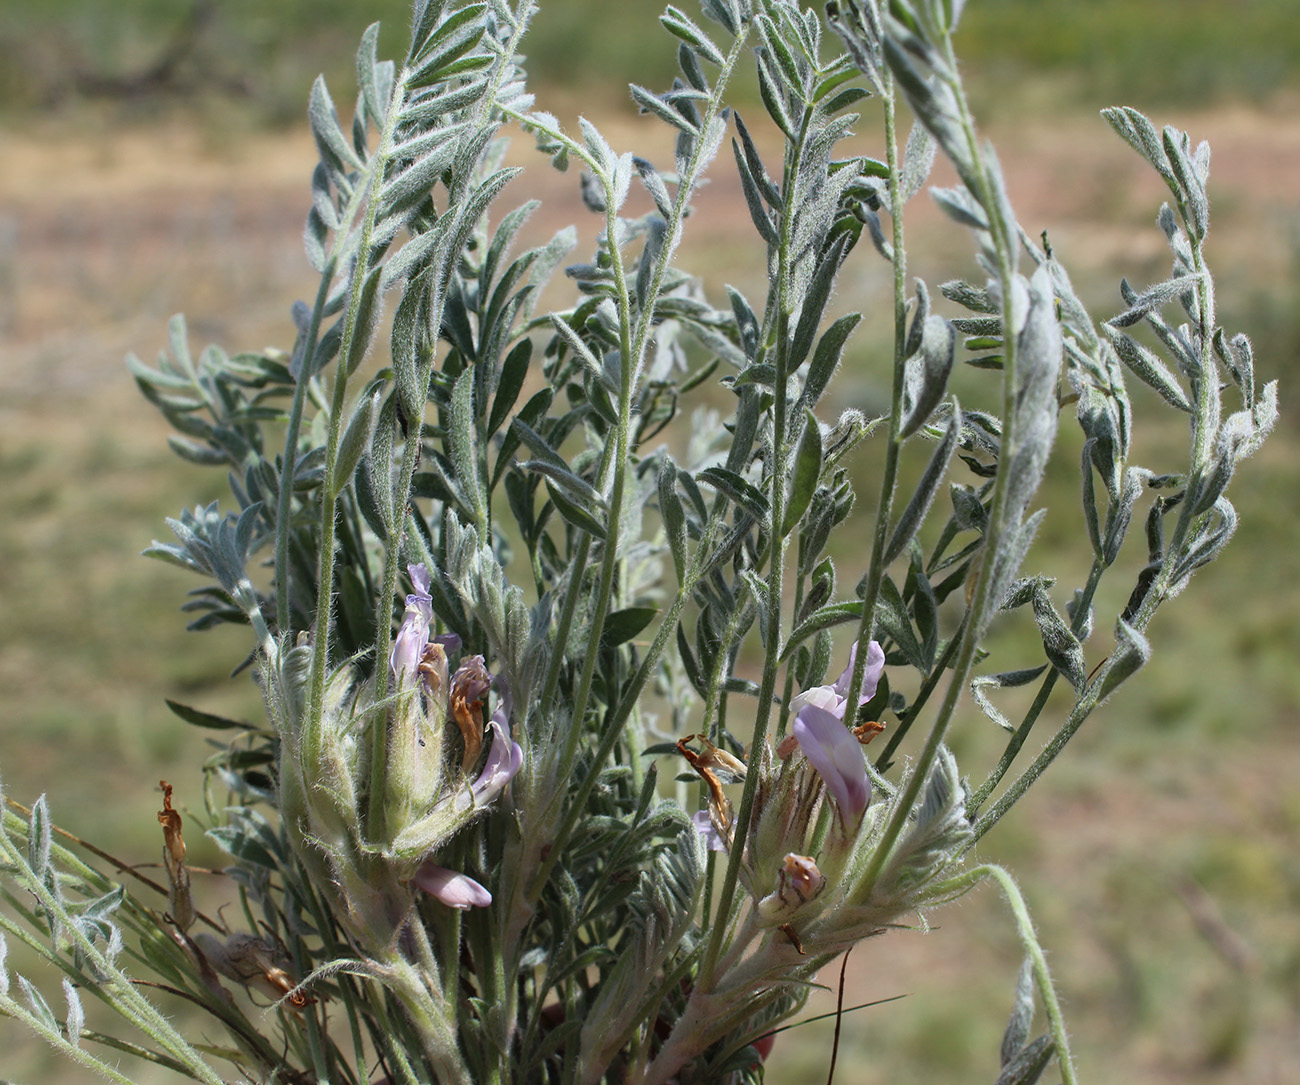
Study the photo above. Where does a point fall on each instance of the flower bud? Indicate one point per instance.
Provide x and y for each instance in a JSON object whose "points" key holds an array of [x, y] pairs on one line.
{"points": [[798, 882], [453, 889]]}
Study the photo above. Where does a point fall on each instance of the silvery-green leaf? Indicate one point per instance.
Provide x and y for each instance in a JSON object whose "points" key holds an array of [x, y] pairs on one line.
{"points": [[970, 297], [582, 352], [602, 153], [892, 619], [464, 450], [76, 1019], [822, 618], [673, 514], [1132, 650], [1206, 545], [969, 512], [769, 89], [418, 253], [746, 322], [739, 490], [830, 349], [918, 160], [980, 686], [961, 207], [815, 300], [648, 102], [926, 372], [770, 194], [331, 143], [1140, 134], [1063, 649], [1006, 563], [40, 1008], [1177, 145], [444, 53], [622, 625], [678, 24], [1091, 516], [514, 371], [758, 213], [805, 475], [1121, 512], [1022, 1014], [432, 107], [654, 184], [367, 76], [1149, 369], [429, 157], [1027, 1067], [38, 839], [649, 259], [726, 12], [923, 496], [1154, 298], [355, 441], [369, 309]]}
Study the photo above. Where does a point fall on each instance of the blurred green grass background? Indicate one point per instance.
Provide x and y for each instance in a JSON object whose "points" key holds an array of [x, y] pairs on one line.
{"points": [[130, 189]]}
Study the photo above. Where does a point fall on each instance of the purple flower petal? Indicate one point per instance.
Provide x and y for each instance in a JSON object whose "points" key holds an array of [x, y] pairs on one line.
{"points": [[505, 758], [836, 754], [420, 581], [870, 675], [704, 826], [408, 645], [453, 889]]}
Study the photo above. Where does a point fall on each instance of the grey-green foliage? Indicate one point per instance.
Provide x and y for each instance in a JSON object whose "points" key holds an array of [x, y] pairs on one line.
{"points": [[524, 460]]}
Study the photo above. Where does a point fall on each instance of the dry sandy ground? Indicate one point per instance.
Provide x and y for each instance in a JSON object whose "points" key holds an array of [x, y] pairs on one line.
{"points": [[103, 237]]}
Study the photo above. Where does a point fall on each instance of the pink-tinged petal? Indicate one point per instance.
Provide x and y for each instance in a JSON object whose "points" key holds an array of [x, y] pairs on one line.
{"points": [[837, 756], [454, 889], [704, 826]]}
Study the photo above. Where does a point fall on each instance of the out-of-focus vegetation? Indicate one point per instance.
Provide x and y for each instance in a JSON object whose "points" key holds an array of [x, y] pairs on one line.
{"points": [[1161, 845], [144, 52]]}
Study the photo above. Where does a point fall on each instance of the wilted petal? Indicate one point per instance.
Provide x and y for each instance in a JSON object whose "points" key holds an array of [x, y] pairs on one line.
{"points": [[471, 680], [833, 751], [469, 685], [453, 889]]}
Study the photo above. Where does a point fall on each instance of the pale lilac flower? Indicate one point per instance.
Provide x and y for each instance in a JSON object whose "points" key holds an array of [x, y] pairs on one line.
{"points": [[408, 647], [834, 751], [453, 889], [831, 748], [704, 826], [834, 698]]}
